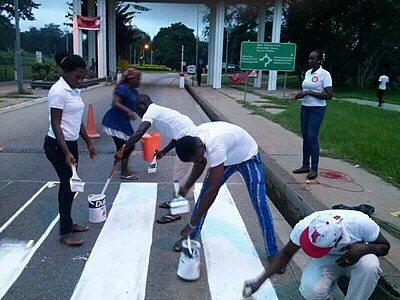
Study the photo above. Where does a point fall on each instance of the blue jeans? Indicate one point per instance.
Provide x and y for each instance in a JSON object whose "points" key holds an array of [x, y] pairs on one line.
{"points": [[253, 175], [310, 120]]}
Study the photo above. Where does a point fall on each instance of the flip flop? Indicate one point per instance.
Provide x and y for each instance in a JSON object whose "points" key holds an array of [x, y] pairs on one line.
{"points": [[178, 245], [166, 204], [129, 177], [168, 219]]}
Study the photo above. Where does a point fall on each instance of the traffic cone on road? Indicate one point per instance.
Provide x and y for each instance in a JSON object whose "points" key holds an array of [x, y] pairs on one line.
{"points": [[90, 124]]}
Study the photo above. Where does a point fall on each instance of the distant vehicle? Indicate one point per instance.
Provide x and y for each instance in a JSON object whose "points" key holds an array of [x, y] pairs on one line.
{"points": [[191, 69]]}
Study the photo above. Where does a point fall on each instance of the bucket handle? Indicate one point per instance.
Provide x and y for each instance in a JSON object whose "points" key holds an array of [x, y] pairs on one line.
{"points": [[189, 246]]}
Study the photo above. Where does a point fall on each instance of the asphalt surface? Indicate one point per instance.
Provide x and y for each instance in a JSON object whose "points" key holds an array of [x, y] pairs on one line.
{"points": [[54, 270]]}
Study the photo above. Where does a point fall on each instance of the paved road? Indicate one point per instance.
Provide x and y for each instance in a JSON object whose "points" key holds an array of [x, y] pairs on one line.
{"points": [[129, 256]]}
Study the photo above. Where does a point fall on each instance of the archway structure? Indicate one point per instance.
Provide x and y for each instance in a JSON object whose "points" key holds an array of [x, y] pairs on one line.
{"points": [[106, 53]]}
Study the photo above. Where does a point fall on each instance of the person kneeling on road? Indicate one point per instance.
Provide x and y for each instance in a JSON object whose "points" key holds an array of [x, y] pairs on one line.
{"points": [[340, 242], [227, 149]]}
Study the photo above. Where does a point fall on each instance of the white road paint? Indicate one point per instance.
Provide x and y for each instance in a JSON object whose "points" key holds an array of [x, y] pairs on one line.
{"points": [[229, 252], [15, 256], [117, 267], [27, 203]]}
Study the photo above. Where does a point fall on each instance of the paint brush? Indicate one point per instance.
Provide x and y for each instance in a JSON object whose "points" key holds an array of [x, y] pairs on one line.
{"points": [[153, 165], [178, 205], [75, 182]]}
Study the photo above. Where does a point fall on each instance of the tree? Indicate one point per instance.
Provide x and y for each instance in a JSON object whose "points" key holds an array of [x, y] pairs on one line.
{"points": [[167, 45], [49, 39], [7, 31]]}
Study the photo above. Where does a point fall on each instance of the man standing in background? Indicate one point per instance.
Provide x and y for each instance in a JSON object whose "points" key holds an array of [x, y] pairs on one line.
{"points": [[383, 80]]}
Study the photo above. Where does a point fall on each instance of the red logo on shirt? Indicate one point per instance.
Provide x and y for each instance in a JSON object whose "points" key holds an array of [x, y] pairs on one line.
{"points": [[314, 235], [314, 79]]}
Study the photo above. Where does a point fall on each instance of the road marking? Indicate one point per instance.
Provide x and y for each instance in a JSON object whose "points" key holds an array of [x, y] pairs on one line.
{"points": [[14, 258], [27, 203], [226, 243], [118, 264]]}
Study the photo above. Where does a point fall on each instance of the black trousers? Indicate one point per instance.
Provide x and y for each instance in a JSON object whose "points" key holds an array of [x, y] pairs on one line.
{"points": [[379, 94], [65, 196]]}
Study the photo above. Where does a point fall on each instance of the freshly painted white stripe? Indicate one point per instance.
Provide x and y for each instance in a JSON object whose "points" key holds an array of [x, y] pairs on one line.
{"points": [[229, 252], [14, 258], [22, 208], [117, 267]]}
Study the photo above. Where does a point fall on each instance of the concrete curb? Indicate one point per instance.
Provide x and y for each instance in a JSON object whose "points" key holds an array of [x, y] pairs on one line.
{"points": [[296, 203]]}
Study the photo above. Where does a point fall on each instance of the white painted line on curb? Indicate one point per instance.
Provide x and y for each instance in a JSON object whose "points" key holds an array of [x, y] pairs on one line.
{"points": [[117, 267], [230, 255]]}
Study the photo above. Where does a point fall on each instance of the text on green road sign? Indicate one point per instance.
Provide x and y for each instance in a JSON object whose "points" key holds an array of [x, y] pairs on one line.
{"points": [[267, 56]]}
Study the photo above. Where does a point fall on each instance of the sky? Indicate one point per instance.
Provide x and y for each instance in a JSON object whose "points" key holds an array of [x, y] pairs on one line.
{"points": [[160, 15]]}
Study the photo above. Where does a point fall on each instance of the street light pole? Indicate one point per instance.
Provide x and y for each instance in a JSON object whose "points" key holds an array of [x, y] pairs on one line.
{"points": [[151, 57], [18, 62], [183, 50]]}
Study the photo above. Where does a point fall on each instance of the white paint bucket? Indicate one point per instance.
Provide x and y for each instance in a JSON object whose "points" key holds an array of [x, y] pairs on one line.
{"points": [[97, 208], [189, 261]]}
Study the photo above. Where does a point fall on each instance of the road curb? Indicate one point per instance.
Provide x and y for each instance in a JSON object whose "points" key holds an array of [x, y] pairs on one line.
{"points": [[296, 203]]}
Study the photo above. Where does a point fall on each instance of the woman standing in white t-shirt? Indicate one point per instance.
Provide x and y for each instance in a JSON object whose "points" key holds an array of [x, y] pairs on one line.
{"points": [[317, 87], [61, 143]]}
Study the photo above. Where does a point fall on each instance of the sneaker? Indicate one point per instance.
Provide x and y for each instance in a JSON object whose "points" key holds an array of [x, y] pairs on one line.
{"points": [[312, 175], [301, 170]]}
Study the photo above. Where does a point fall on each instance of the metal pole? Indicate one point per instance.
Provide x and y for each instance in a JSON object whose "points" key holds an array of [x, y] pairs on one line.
{"points": [[151, 57], [197, 39], [130, 53], [284, 86], [245, 89], [66, 40], [18, 60], [134, 55], [183, 49], [226, 52]]}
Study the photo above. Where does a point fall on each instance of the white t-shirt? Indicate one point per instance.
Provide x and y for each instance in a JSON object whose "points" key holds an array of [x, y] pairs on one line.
{"points": [[382, 82], [226, 143], [357, 227], [317, 82], [62, 96], [169, 122]]}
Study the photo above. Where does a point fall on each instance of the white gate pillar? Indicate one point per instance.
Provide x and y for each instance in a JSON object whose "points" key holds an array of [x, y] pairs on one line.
{"points": [[91, 33], [276, 38], [260, 36], [76, 33], [112, 52], [219, 44], [102, 39]]}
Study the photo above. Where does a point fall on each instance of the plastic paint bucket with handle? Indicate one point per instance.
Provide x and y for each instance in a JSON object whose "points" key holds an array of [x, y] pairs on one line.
{"points": [[150, 143], [97, 208]]}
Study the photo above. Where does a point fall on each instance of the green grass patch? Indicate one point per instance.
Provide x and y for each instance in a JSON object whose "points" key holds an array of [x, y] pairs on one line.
{"points": [[391, 95], [359, 134]]}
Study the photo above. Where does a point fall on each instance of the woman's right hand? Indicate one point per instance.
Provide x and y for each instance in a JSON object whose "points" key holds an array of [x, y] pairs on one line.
{"points": [[69, 159]]}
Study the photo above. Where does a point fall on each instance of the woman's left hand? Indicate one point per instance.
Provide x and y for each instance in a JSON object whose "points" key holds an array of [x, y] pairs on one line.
{"points": [[92, 151]]}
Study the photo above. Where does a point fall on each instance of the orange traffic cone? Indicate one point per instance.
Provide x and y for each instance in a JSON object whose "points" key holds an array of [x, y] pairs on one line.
{"points": [[90, 125]]}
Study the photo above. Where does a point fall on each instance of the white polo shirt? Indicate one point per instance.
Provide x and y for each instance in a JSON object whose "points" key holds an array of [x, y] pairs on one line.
{"points": [[169, 122], [63, 97], [317, 82], [226, 143], [357, 227], [383, 80]]}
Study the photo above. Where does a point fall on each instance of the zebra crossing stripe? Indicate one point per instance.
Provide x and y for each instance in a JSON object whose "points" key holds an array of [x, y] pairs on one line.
{"points": [[117, 267], [229, 252]]}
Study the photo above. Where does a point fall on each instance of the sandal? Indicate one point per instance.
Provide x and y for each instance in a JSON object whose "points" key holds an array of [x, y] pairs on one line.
{"points": [[129, 177], [168, 219], [178, 245], [79, 228], [166, 204]]}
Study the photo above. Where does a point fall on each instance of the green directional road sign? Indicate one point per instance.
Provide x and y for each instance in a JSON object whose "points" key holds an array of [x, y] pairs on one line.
{"points": [[267, 56]]}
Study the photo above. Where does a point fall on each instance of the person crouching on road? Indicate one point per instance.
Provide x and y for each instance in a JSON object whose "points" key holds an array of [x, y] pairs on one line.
{"points": [[227, 149], [340, 242], [170, 123], [61, 143]]}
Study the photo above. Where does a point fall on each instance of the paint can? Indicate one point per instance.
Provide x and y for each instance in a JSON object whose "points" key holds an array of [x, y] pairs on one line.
{"points": [[189, 261], [97, 208]]}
